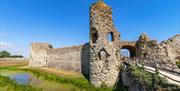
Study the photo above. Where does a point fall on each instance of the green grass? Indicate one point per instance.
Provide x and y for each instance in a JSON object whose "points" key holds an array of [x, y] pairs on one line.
{"points": [[151, 80], [141, 74], [81, 83], [6, 84], [14, 67]]}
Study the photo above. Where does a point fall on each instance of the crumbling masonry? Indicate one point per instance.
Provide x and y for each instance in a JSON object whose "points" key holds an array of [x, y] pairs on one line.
{"points": [[104, 53], [100, 59]]}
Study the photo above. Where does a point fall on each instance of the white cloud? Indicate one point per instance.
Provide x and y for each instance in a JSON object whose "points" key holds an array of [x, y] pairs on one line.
{"points": [[5, 45], [13, 49]]}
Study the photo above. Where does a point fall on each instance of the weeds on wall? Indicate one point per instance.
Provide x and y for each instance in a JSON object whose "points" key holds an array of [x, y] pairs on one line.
{"points": [[152, 80], [178, 63]]}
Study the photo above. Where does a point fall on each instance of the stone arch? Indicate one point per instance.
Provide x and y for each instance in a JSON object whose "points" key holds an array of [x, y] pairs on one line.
{"points": [[125, 53], [131, 48]]}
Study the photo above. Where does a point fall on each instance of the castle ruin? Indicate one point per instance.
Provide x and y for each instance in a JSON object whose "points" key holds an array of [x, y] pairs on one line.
{"points": [[100, 60]]}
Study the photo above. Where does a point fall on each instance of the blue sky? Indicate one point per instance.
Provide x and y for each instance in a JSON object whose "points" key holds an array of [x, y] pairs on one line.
{"points": [[66, 22]]}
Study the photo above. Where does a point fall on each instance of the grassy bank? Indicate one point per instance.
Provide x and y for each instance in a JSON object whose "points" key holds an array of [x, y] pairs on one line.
{"points": [[6, 84], [80, 83], [77, 81]]}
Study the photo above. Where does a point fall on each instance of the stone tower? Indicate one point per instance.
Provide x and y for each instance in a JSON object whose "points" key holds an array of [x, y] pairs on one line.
{"points": [[104, 49]]}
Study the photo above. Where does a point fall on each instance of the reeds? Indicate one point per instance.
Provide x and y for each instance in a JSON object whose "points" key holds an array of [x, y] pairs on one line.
{"points": [[12, 85], [81, 83]]}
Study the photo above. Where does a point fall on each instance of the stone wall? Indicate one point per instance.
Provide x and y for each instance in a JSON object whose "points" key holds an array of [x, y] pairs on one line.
{"points": [[65, 58], [171, 47], [132, 82], [70, 58], [75, 58], [165, 54], [100, 60], [38, 55], [104, 46]]}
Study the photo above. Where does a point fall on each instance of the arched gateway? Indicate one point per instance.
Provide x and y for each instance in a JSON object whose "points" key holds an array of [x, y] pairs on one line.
{"points": [[131, 49], [130, 46], [99, 60]]}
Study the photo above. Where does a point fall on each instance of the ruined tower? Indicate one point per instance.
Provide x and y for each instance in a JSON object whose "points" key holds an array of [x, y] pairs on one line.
{"points": [[104, 49]]}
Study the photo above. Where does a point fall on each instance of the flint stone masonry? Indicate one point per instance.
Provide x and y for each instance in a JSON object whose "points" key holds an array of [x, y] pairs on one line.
{"points": [[104, 61], [164, 54], [38, 54], [171, 47], [73, 58], [100, 60], [132, 82]]}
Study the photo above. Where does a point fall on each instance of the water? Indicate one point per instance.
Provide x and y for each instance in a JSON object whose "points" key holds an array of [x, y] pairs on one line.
{"points": [[29, 79], [21, 78]]}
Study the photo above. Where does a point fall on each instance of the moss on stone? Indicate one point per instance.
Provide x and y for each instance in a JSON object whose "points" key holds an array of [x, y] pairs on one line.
{"points": [[178, 63]]}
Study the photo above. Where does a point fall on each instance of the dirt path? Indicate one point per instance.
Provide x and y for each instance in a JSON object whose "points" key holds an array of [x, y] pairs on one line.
{"points": [[13, 62], [62, 72]]}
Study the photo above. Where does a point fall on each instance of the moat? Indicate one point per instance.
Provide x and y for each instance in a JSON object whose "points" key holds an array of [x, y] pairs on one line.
{"points": [[27, 78], [105, 62]]}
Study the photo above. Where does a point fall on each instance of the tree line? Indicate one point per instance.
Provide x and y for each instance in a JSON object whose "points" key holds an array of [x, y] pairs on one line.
{"points": [[6, 54]]}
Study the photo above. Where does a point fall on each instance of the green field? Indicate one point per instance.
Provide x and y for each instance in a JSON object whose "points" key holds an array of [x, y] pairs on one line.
{"points": [[46, 79]]}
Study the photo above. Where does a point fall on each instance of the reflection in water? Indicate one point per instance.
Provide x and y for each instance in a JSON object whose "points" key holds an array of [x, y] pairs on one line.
{"points": [[21, 78], [29, 79]]}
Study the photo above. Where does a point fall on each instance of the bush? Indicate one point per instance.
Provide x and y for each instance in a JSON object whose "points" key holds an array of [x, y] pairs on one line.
{"points": [[152, 80], [141, 75], [16, 56], [4, 54]]}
